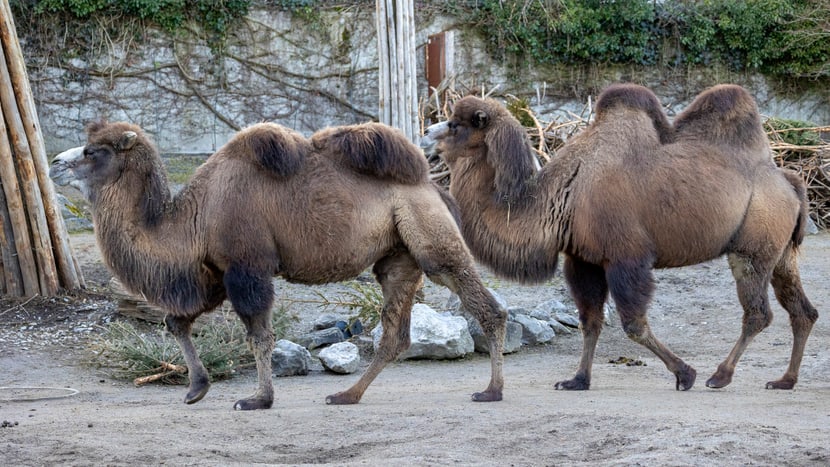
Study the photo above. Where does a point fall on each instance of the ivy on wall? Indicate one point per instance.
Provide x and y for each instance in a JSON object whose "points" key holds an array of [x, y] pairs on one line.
{"points": [[785, 38]]}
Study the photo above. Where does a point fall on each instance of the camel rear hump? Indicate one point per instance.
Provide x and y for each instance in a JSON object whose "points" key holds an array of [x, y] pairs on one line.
{"points": [[725, 114], [374, 149], [276, 148]]}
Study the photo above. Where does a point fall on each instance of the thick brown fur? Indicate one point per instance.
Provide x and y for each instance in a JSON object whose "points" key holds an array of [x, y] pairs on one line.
{"points": [[271, 202], [627, 195]]}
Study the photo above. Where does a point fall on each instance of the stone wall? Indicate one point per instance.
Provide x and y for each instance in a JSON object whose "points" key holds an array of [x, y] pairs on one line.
{"points": [[311, 75]]}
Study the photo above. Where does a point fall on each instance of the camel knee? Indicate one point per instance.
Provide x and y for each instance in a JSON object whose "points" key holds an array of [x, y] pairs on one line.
{"points": [[757, 321], [636, 329], [177, 325]]}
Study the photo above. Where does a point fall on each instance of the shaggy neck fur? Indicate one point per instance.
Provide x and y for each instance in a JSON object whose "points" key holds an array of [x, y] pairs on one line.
{"points": [[149, 245], [504, 231]]}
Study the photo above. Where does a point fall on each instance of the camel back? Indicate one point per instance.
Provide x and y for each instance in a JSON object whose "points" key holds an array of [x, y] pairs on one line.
{"points": [[276, 148]]}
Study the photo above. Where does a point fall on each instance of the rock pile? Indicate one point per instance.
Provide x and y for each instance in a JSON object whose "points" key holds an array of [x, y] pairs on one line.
{"points": [[334, 340]]}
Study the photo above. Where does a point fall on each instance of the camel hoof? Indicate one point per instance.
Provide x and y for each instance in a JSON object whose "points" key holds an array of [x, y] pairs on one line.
{"points": [[578, 383], [195, 394], [718, 381], [487, 396], [253, 404], [685, 378], [781, 384], [342, 398]]}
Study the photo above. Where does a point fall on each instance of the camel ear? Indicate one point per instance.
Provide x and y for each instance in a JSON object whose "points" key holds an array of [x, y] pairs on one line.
{"points": [[480, 119], [508, 151], [126, 141]]}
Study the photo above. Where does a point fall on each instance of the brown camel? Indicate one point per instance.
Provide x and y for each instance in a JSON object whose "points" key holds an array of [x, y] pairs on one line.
{"points": [[273, 203], [628, 194]]}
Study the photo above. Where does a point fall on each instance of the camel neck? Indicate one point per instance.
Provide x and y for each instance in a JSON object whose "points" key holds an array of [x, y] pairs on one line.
{"points": [[513, 238], [154, 254]]}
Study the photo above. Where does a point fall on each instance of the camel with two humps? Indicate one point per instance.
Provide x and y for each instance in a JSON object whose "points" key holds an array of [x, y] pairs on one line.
{"points": [[628, 194], [269, 203]]}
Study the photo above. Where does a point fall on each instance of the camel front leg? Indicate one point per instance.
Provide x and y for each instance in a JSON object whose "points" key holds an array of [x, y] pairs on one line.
{"points": [[590, 291], [252, 296], [180, 328], [631, 284], [399, 278]]}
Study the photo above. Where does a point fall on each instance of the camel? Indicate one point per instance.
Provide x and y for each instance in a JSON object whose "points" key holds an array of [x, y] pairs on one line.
{"points": [[269, 203], [628, 194]]}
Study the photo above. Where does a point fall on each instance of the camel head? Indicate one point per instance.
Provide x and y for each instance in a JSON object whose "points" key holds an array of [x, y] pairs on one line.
{"points": [[482, 131], [111, 150]]}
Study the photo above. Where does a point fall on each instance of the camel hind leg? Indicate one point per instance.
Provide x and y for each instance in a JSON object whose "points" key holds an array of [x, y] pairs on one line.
{"points": [[786, 283], [431, 234], [632, 285], [400, 278], [752, 275]]}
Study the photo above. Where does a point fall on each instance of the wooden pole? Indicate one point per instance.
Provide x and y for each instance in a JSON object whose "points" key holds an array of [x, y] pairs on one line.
{"points": [[397, 77], [35, 244], [69, 274], [25, 168]]}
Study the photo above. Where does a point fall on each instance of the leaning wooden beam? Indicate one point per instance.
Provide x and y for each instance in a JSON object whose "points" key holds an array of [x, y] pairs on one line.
{"points": [[20, 246], [44, 259], [55, 240], [12, 278]]}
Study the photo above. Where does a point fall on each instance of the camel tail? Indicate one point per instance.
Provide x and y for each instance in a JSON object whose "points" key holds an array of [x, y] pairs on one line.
{"points": [[449, 201], [800, 189]]}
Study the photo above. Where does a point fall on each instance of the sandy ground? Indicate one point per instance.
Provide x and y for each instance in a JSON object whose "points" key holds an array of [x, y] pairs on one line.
{"points": [[420, 413]]}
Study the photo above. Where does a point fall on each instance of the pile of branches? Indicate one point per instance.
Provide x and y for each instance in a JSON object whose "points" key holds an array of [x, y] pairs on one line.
{"points": [[800, 149], [803, 151]]}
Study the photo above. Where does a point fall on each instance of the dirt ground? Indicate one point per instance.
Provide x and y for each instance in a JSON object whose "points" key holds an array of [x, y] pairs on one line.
{"points": [[419, 412]]}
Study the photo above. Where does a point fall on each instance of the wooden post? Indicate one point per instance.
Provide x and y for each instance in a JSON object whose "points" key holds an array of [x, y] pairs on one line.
{"points": [[397, 75], [37, 258]]}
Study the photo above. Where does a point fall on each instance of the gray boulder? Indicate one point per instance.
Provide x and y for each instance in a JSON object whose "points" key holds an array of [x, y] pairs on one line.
{"points": [[534, 331], [512, 338], [343, 358], [290, 359], [321, 337], [434, 336]]}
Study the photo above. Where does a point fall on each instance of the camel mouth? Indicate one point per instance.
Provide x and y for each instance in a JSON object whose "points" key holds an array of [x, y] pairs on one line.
{"points": [[60, 171], [433, 134]]}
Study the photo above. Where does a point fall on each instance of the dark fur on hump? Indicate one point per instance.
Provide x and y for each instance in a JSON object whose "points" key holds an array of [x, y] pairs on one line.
{"points": [[374, 149], [725, 113], [636, 97], [278, 149], [141, 158], [507, 144]]}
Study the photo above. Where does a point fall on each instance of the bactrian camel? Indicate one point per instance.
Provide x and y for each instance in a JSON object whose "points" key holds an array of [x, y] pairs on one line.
{"points": [[628, 194], [268, 203]]}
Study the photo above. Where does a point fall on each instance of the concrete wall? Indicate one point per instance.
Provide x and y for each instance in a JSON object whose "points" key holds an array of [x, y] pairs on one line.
{"points": [[312, 75]]}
